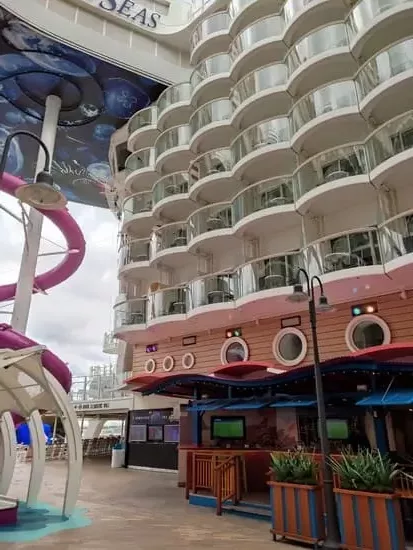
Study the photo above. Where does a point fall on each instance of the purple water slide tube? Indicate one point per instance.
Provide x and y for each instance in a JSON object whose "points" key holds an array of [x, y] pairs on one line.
{"points": [[75, 241]]}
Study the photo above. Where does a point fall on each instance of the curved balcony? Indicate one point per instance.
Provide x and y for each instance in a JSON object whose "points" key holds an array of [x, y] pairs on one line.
{"points": [[244, 12], [397, 247], [170, 197], [140, 170], [142, 128], [210, 228], [210, 36], [264, 283], [374, 24], [327, 117], [211, 126], [134, 260], [210, 79], [172, 152], [264, 208], [318, 58], [210, 294], [130, 317], [258, 45], [210, 177], [390, 151], [169, 245], [168, 307], [174, 106], [259, 95], [263, 151], [137, 214], [333, 180], [384, 82]]}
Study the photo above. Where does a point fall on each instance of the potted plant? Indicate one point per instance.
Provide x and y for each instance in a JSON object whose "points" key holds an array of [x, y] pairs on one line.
{"points": [[296, 499], [368, 510]]}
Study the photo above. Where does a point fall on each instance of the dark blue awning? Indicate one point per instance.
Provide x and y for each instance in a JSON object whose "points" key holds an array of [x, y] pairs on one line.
{"points": [[207, 405], [248, 405], [294, 403], [392, 398]]}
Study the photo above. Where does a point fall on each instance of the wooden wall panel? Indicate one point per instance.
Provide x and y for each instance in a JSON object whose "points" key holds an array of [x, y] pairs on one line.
{"points": [[259, 335]]}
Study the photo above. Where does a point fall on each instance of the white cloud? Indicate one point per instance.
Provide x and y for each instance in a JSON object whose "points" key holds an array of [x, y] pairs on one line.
{"points": [[73, 317]]}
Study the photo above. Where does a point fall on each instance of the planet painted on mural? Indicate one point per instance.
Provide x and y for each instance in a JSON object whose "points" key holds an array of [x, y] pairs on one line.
{"points": [[15, 158], [123, 98], [16, 118], [99, 171], [89, 110], [12, 64], [103, 132]]}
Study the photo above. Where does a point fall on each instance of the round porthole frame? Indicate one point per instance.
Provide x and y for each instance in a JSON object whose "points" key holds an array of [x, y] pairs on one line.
{"points": [[360, 319], [189, 355], [150, 366], [276, 347], [168, 359], [228, 342]]}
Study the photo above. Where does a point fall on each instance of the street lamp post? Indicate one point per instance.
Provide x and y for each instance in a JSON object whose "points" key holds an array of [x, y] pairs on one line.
{"points": [[332, 541]]}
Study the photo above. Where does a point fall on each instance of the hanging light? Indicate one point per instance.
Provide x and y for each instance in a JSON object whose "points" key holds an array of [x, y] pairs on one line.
{"points": [[323, 304], [298, 295], [43, 193]]}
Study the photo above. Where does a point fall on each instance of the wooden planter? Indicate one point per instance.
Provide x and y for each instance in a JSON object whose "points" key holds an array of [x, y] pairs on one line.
{"points": [[369, 521], [297, 511]]}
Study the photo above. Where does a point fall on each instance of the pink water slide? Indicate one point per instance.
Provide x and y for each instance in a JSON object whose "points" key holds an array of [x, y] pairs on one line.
{"points": [[75, 242]]}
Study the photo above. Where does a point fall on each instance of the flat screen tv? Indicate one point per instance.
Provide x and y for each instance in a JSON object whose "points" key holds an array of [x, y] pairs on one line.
{"points": [[171, 433], [155, 433], [137, 433], [337, 428], [228, 427]]}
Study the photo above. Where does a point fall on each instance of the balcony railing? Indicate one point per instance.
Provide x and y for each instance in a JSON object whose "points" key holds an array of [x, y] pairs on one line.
{"points": [[178, 136], [333, 97], [168, 301], [145, 158], [174, 94], [217, 110], [210, 218], [218, 22], [213, 162], [268, 27], [168, 236], [262, 195], [212, 66], [270, 132], [359, 248], [146, 117], [139, 203], [293, 7], [364, 12], [392, 138], [168, 186], [236, 7], [397, 236], [96, 387], [134, 251], [212, 289], [268, 273], [338, 163], [262, 79], [391, 62], [130, 312], [110, 343]]}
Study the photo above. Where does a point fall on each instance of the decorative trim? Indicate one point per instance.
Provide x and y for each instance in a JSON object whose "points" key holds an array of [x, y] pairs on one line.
{"points": [[276, 347], [188, 360], [234, 340], [150, 366], [362, 319], [168, 363]]}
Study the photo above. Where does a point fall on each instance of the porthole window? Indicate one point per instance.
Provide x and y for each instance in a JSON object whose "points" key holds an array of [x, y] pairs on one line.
{"points": [[150, 366], [188, 360], [367, 331], [289, 347], [234, 349], [168, 363]]}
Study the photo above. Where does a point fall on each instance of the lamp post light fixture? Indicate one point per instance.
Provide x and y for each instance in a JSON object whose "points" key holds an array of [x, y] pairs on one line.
{"points": [[43, 193], [332, 541]]}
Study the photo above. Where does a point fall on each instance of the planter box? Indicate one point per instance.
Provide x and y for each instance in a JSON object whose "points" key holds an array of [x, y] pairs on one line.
{"points": [[297, 511], [369, 521]]}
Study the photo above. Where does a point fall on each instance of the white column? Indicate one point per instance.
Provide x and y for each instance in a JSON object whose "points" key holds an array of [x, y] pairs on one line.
{"points": [[30, 254]]}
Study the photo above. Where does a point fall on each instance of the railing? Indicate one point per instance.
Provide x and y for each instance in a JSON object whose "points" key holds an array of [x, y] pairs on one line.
{"points": [[168, 186], [236, 7], [210, 218], [217, 110], [218, 22], [134, 251], [292, 8], [139, 203], [110, 343], [213, 162], [130, 312], [177, 93], [172, 235], [95, 387], [146, 117], [145, 158], [397, 236], [203, 472], [212, 289], [227, 482], [270, 76], [211, 66], [364, 13], [268, 27], [178, 136], [168, 301], [270, 132], [392, 138]]}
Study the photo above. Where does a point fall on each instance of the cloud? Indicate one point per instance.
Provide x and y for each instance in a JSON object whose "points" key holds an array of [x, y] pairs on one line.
{"points": [[72, 318]]}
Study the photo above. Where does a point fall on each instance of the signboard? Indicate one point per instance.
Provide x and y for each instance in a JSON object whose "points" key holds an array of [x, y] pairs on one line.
{"points": [[156, 416], [124, 403], [130, 10]]}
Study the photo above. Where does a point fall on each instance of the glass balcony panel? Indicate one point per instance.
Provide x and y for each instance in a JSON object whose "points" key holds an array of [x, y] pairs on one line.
{"points": [[257, 81], [293, 7], [175, 184], [269, 27], [266, 273], [146, 117], [236, 7], [170, 301], [212, 66], [213, 162], [217, 216], [397, 237], [260, 135], [331, 166], [212, 289], [145, 158], [363, 13], [174, 94], [324, 100], [137, 204], [134, 251], [214, 111], [168, 236], [131, 312], [320, 41], [215, 23], [395, 60], [269, 193], [391, 139], [174, 137]]}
